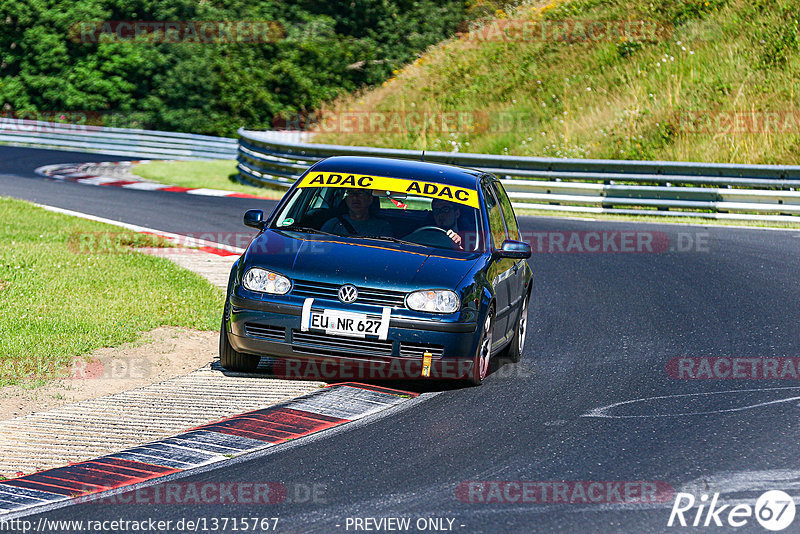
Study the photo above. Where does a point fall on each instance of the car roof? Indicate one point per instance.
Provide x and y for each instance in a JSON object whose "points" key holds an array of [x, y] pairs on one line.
{"points": [[402, 168]]}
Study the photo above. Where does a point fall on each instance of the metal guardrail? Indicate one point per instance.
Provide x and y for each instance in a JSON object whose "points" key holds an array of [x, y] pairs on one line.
{"points": [[151, 144], [665, 188]]}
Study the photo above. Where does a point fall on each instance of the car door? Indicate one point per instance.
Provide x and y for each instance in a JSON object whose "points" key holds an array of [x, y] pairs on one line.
{"points": [[500, 268], [516, 286]]}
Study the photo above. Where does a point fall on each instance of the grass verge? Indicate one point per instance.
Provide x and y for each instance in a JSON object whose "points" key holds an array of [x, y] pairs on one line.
{"points": [[69, 286], [211, 174]]}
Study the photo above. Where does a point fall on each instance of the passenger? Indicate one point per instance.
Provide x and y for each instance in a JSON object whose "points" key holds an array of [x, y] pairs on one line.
{"points": [[358, 220], [446, 215]]}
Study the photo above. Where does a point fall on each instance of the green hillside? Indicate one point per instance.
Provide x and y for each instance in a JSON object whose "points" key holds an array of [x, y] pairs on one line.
{"points": [[714, 81]]}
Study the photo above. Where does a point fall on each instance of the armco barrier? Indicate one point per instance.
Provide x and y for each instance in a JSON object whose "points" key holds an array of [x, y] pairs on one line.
{"points": [[668, 188], [115, 141]]}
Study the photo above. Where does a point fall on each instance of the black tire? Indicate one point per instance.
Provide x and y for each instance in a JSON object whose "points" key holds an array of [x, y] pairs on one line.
{"points": [[231, 359], [513, 352], [483, 356]]}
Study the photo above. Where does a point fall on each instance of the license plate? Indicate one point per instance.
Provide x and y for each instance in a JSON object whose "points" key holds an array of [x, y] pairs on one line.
{"points": [[345, 323]]}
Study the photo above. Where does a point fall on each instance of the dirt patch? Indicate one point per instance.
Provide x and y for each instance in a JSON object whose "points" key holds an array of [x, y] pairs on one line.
{"points": [[160, 354], [3, 285]]}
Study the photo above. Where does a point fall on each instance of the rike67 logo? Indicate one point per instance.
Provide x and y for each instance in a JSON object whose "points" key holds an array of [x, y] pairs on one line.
{"points": [[774, 510]]}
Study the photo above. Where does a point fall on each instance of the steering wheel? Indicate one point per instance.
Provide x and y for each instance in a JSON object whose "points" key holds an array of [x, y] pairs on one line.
{"points": [[424, 228], [439, 237]]}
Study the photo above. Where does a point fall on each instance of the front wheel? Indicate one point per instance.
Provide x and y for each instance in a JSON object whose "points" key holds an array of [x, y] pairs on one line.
{"points": [[231, 359], [480, 365]]}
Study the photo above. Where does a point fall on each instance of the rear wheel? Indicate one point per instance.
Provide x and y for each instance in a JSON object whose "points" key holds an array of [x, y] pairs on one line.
{"points": [[231, 359], [480, 365], [514, 350]]}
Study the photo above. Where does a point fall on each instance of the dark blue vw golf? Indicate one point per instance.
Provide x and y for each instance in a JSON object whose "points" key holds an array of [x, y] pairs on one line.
{"points": [[384, 268]]}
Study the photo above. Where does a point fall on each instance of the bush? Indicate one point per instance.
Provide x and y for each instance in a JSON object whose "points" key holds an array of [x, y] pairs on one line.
{"points": [[327, 49]]}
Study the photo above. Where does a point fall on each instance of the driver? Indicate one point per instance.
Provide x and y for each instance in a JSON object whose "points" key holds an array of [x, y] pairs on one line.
{"points": [[445, 215], [357, 220]]}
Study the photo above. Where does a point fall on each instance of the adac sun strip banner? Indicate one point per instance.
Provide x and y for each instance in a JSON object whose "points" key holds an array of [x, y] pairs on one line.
{"points": [[468, 197]]}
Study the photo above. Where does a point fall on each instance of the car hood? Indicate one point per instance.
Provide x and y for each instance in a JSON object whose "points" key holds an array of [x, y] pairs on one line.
{"points": [[361, 262]]}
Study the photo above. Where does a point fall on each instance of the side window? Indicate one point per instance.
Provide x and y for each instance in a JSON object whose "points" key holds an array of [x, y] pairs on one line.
{"points": [[496, 226], [508, 211]]}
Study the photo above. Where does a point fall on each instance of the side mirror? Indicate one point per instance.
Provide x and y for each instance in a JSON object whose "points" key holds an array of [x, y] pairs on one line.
{"points": [[518, 250], [254, 219]]}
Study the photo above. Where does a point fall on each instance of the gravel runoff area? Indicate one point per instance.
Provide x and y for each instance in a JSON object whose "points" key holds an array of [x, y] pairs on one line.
{"points": [[134, 394]]}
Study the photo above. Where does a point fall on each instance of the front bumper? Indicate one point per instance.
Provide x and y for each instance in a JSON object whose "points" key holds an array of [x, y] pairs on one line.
{"points": [[272, 327]]}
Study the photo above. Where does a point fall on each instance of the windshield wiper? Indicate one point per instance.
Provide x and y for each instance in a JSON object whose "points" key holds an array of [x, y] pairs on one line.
{"points": [[392, 239], [305, 229]]}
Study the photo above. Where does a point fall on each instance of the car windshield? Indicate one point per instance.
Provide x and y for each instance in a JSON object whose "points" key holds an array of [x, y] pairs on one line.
{"points": [[390, 209]]}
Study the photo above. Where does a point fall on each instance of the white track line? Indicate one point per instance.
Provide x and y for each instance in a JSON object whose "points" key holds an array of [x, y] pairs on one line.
{"points": [[179, 238]]}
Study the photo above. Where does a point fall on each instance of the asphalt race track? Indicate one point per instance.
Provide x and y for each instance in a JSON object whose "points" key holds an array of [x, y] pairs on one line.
{"points": [[161, 211], [603, 329]]}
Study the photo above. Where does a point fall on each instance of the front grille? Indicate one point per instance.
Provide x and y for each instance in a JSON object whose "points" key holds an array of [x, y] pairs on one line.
{"points": [[309, 343], [366, 295], [416, 350], [276, 333]]}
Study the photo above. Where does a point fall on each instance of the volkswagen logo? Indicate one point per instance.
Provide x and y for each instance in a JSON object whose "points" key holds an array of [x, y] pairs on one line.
{"points": [[348, 293]]}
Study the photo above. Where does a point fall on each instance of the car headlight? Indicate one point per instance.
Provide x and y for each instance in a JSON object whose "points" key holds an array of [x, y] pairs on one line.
{"points": [[265, 281], [436, 301]]}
